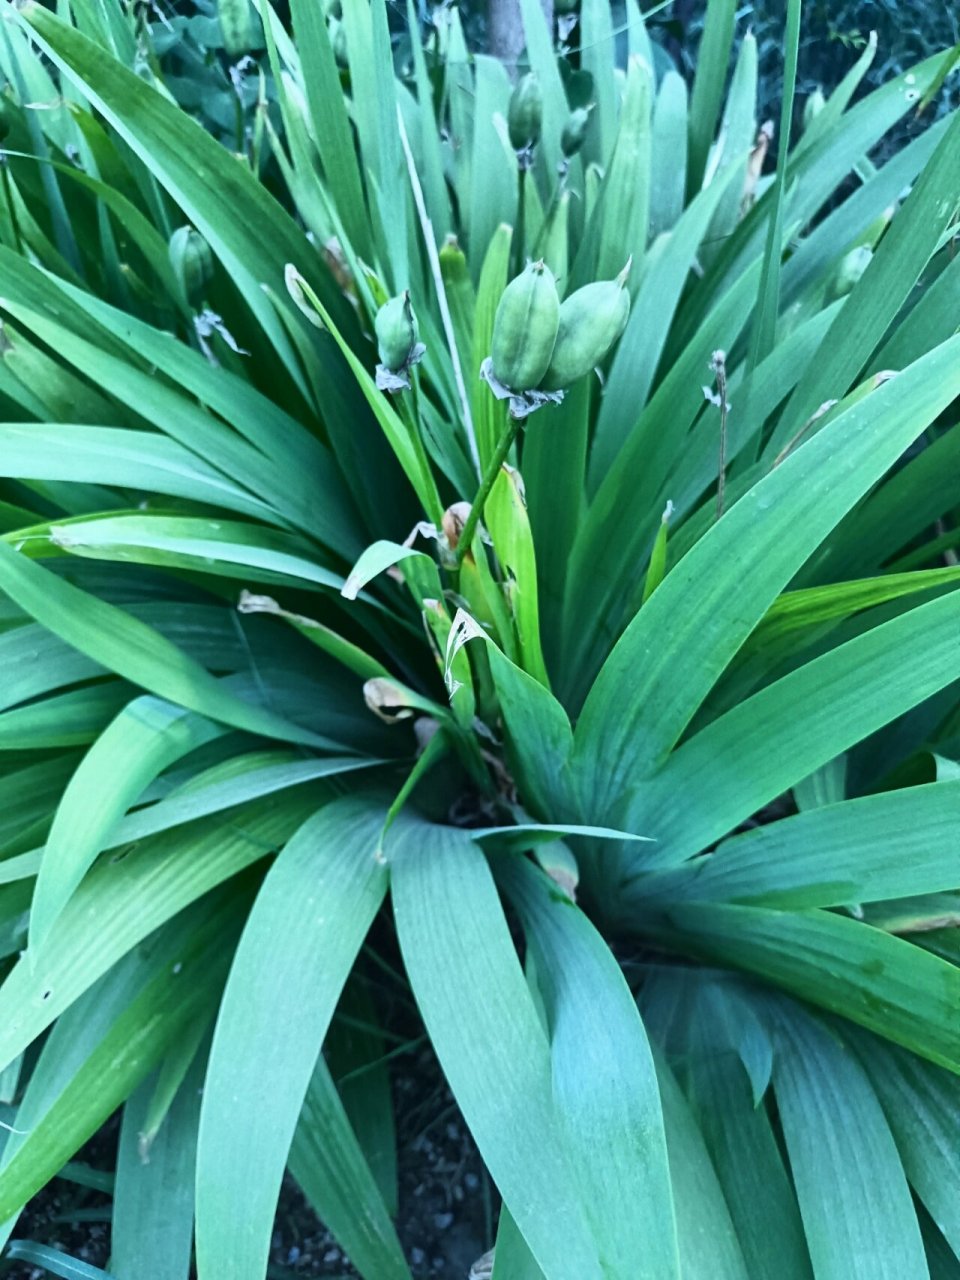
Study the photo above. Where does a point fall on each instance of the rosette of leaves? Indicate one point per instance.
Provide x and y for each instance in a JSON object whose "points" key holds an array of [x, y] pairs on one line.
{"points": [[652, 770]]}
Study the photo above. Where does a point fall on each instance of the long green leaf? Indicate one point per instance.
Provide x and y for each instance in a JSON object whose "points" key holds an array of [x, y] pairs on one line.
{"points": [[134, 1043], [306, 465], [359, 1062], [123, 644], [539, 735], [455, 939], [768, 302], [153, 1200], [223, 200], [920, 1102], [145, 738], [55, 1262], [894, 845], [638, 353], [883, 983], [709, 1248], [668, 177], [227, 547], [104, 455], [856, 1207], [902, 254], [713, 57], [780, 735], [705, 1026], [301, 939], [330, 119], [136, 894], [710, 602], [604, 1081], [329, 1165]]}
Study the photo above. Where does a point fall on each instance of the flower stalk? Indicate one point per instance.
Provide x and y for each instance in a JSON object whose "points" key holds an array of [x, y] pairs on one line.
{"points": [[489, 478]]}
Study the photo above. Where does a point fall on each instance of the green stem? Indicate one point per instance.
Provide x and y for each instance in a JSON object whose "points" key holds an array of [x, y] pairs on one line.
{"points": [[558, 189], [489, 478], [520, 233], [238, 120], [410, 415]]}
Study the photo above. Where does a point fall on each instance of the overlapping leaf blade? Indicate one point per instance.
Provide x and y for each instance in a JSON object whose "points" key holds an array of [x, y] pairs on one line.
{"points": [[298, 947]]}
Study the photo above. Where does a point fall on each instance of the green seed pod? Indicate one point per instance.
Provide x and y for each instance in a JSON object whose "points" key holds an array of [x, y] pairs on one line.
{"points": [[192, 262], [525, 328], [397, 332], [453, 263], [591, 320], [236, 24], [525, 113], [873, 234], [455, 271], [848, 273], [574, 131], [813, 106]]}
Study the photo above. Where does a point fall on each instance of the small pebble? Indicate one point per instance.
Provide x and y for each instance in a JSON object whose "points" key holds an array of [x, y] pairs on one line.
{"points": [[442, 1220]]}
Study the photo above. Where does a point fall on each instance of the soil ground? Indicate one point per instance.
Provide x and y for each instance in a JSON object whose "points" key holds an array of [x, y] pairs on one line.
{"points": [[447, 1206]]}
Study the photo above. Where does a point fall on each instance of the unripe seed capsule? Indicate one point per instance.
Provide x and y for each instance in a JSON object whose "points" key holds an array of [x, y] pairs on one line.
{"points": [[813, 106], [848, 273], [453, 265], [525, 113], [397, 332], [236, 26], [192, 262], [525, 328], [591, 320], [574, 131]]}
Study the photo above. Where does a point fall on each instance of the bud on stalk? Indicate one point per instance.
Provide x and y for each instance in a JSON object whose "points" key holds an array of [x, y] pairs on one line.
{"points": [[848, 273], [397, 332], [192, 262], [591, 320], [525, 113], [525, 328], [813, 106], [574, 131]]}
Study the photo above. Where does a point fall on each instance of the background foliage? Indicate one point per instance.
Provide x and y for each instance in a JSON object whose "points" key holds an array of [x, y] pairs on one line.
{"points": [[632, 763], [831, 32]]}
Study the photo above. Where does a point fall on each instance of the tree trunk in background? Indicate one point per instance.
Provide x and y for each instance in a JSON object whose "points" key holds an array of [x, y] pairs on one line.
{"points": [[505, 30]]}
